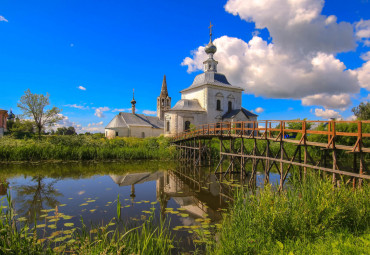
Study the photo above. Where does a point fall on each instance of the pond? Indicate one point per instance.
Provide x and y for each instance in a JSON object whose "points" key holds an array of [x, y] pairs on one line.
{"points": [[183, 196]]}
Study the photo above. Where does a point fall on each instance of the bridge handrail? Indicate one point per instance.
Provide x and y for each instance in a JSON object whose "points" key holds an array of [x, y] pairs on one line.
{"points": [[276, 129]]}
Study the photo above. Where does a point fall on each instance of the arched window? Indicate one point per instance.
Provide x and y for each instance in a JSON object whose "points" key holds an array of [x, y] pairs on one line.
{"points": [[187, 125], [162, 102], [116, 133], [143, 134], [168, 126], [218, 105], [229, 106]]}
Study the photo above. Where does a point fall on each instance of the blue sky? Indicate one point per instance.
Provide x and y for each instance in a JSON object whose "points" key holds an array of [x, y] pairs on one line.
{"points": [[111, 47]]}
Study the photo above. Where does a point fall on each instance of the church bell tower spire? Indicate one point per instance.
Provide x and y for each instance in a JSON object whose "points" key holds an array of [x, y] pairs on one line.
{"points": [[133, 102], [163, 101], [210, 65]]}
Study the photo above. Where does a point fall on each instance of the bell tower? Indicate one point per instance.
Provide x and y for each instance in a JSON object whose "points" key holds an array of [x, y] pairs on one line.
{"points": [[163, 101]]}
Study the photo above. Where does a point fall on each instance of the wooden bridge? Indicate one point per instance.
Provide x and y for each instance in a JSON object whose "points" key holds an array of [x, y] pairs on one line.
{"points": [[336, 147]]}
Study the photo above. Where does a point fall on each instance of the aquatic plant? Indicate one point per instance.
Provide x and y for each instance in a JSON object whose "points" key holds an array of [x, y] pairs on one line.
{"points": [[19, 237]]}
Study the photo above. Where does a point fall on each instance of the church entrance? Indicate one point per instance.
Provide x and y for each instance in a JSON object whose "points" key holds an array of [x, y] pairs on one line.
{"points": [[187, 126]]}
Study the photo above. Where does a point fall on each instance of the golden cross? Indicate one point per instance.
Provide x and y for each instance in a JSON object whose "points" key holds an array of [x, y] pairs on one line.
{"points": [[210, 28]]}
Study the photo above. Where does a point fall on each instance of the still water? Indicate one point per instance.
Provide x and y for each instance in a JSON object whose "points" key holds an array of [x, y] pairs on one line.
{"points": [[184, 196]]}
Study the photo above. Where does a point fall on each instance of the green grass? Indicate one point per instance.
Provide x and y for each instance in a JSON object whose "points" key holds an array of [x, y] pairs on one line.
{"points": [[18, 237], [308, 218], [85, 148]]}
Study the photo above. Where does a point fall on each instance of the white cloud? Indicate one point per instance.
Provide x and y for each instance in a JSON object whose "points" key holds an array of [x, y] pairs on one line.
{"points": [[81, 88], [262, 70], [95, 124], [148, 112], [121, 110], [100, 111], [327, 113], [77, 106], [365, 56], [296, 25], [363, 29], [363, 74], [340, 101], [3, 19], [290, 109], [259, 109], [300, 61], [351, 118]]}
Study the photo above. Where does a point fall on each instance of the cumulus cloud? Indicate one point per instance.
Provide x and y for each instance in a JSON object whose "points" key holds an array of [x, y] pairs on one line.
{"points": [[296, 26], [300, 61], [81, 88], [121, 109], [363, 31], [340, 101], [3, 19], [260, 69], [148, 112], [100, 111], [259, 109], [95, 124], [327, 113], [363, 74], [81, 107], [290, 109], [66, 122]]}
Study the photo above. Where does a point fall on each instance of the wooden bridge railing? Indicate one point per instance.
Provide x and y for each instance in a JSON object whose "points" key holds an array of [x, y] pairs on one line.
{"points": [[328, 131]]}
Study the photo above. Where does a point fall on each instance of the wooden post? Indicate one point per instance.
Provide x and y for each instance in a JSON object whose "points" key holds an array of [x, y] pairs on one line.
{"points": [[359, 137], [334, 151]]}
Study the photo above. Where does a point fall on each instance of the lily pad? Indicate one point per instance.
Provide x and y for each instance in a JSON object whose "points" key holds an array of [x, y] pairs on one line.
{"points": [[69, 224]]}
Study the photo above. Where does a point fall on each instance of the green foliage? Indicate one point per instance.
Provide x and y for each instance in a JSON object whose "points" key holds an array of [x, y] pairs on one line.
{"points": [[33, 106], [85, 147], [362, 111], [66, 131], [21, 129], [307, 218]]}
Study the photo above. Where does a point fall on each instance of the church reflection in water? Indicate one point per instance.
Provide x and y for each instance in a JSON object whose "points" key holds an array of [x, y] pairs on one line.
{"points": [[198, 193]]}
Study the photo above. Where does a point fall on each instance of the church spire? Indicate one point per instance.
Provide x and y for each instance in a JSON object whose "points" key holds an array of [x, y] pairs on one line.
{"points": [[210, 65], [164, 92], [133, 102], [163, 101]]}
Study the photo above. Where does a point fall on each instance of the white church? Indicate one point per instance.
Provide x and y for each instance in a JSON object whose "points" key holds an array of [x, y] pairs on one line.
{"points": [[210, 99]]}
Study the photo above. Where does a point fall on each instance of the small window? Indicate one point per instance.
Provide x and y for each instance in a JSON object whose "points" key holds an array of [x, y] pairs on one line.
{"points": [[218, 105], [168, 126], [142, 134], [230, 106], [162, 102], [116, 133], [187, 125]]}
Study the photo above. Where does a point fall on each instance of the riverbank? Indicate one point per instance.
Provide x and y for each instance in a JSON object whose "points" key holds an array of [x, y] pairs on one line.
{"points": [[307, 218], [84, 147]]}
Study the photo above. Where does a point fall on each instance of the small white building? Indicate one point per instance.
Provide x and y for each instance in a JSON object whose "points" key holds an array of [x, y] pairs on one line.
{"points": [[210, 99], [132, 124]]}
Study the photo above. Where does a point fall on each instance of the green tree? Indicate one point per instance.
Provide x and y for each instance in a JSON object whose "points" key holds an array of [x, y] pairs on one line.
{"points": [[21, 128], [33, 106], [362, 111], [66, 131]]}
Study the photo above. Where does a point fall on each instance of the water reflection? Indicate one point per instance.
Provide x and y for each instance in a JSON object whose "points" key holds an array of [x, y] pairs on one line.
{"points": [[36, 196]]}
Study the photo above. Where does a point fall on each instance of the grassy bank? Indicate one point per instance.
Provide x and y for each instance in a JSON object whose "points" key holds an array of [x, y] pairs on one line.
{"points": [[308, 218], [84, 148]]}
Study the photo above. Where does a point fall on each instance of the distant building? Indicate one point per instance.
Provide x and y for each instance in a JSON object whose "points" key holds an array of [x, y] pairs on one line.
{"points": [[3, 118], [132, 124], [210, 99]]}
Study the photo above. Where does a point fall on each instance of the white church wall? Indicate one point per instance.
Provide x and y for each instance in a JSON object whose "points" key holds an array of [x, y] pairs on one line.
{"points": [[114, 132], [227, 95], [177, 121], [197, 93], [142, 132]]}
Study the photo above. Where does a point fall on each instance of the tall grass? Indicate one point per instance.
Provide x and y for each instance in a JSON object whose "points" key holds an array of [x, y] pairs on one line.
{"points": [[307, 218], [85, 148], [18, 237]]}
